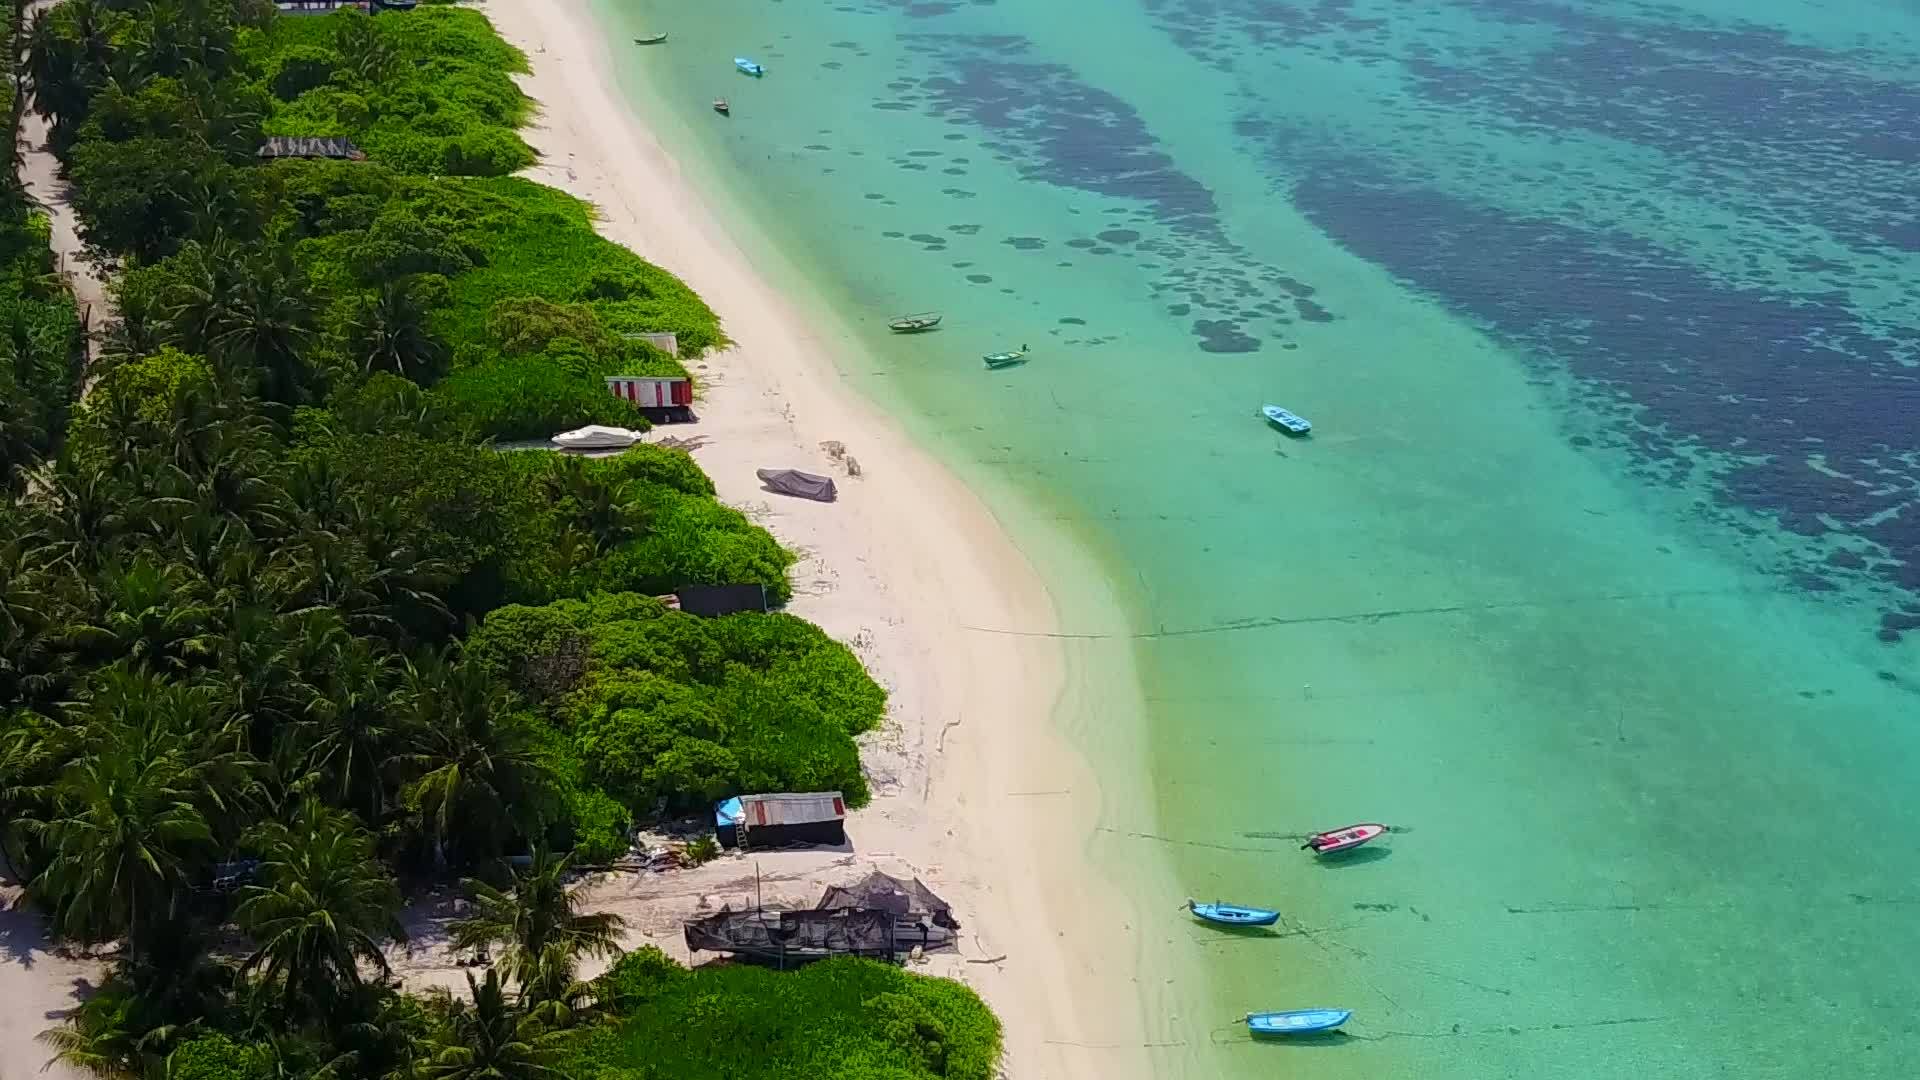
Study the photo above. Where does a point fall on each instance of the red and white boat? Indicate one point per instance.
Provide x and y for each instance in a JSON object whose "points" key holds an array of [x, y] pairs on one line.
{"points": [[1345, 838]]}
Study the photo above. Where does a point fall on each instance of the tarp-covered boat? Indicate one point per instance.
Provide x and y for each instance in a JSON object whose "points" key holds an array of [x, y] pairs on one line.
{"points": [[1291, 423], [1233, 914], [804, 485], [596, 437], [1297, 1021], [749, 67], [1335, 841]]}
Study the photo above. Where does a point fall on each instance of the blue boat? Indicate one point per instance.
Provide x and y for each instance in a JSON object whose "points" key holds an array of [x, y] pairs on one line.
{"points": [[1297, 1022], [1288, 422], [748, 67], [1233, 914]]}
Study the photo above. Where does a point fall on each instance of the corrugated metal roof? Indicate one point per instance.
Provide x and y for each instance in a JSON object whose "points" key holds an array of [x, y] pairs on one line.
{"points": [[790, 809]]}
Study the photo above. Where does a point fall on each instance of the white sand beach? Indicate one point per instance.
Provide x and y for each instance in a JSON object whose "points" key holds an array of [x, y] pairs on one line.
{"points": [[899, 567]]}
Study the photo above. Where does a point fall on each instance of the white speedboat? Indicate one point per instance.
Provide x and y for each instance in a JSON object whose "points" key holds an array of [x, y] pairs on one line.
{"points": [[596, 437]]}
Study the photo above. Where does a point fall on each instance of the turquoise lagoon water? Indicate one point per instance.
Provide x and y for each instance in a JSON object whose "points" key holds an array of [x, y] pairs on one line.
{"points": [[1596, 574]]}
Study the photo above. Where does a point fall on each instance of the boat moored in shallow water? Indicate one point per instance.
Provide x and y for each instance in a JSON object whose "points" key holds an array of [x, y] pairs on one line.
{"points": [[1006, 359], [749, 67], [1297, 1021], [1291, 423], [1232, 914], [720, 106], [915, 324], [650, 39], [1334, 841]]}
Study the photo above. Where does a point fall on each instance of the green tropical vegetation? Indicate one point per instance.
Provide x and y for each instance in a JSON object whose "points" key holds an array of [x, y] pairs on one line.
{"points": [[280, 632], [845, 1018]]}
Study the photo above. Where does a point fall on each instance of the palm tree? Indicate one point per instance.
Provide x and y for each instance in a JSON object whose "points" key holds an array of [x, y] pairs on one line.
{"points": [[467, 776], [153, 615], [487, 1040], [325, 906], [346, 735], [539, 921], [126, 831], [390, 334]]}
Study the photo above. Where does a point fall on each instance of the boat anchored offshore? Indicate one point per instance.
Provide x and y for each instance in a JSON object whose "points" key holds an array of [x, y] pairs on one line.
{"points": [[1335, 841], [1005, 359], [1291, 423], [1232, 914], [1297, 1021], [915, 324], [749, 67]]}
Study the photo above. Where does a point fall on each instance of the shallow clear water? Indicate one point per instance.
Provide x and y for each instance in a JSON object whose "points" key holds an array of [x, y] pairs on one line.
{"points": [[1594, 574]]}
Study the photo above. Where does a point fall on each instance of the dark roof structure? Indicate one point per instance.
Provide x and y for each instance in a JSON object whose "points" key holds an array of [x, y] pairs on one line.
{"points": [[884, 892], [793, 937], [287, 146]]}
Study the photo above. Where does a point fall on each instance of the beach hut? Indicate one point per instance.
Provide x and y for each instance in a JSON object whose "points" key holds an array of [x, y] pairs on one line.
{"points": [[907, 897], [288, 146], [816, 818], [711, 601]]}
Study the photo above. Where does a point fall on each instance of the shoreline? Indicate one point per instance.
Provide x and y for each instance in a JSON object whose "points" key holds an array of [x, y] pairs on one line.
{"points": [[900, 567]]}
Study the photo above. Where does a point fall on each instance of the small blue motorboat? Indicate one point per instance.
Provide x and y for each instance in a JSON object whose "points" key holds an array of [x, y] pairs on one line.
{"points": [[748, 67], [1233, 914], [1297, 1022], [1290, 423]]}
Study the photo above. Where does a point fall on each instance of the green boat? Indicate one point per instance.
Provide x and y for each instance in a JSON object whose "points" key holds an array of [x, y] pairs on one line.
{"points": [[1006, 359]]}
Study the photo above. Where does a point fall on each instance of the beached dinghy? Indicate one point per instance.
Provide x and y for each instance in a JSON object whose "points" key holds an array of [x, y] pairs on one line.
{"points": [[748, 67], [650, 39], [1335, 841], [914, 324], [596, 437], [1233, 914], [1291, 423], [1006, 359], [1297, 1022]]}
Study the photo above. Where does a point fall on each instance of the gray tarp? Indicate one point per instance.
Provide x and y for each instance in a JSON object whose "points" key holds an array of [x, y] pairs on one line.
{"points": [[883, 892], [794, 482]]}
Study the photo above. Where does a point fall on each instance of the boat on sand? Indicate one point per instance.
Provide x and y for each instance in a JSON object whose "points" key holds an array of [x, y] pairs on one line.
{"points": [[1346, 838], [915, 324], [596, 437], [1297, 1021], [1006, 359], [1232, 914]]}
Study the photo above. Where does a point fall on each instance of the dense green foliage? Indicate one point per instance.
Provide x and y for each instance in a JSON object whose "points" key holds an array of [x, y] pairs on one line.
{"points": [[652, 705], [278, 628], [299, 279], [848, 1019]]}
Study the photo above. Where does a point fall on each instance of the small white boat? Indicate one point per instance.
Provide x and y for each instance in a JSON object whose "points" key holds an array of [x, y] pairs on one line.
{"points": [[1291, 423], [596, 437]]}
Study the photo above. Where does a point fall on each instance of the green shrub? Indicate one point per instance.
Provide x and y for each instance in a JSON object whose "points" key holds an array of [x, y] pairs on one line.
{"points": [[530, 397], [600, 825], [846, 1018], [214, 1056]]}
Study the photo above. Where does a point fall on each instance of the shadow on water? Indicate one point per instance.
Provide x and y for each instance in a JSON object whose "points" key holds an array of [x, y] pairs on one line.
{"points": [[1356, 857], [1321, 1039]]}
